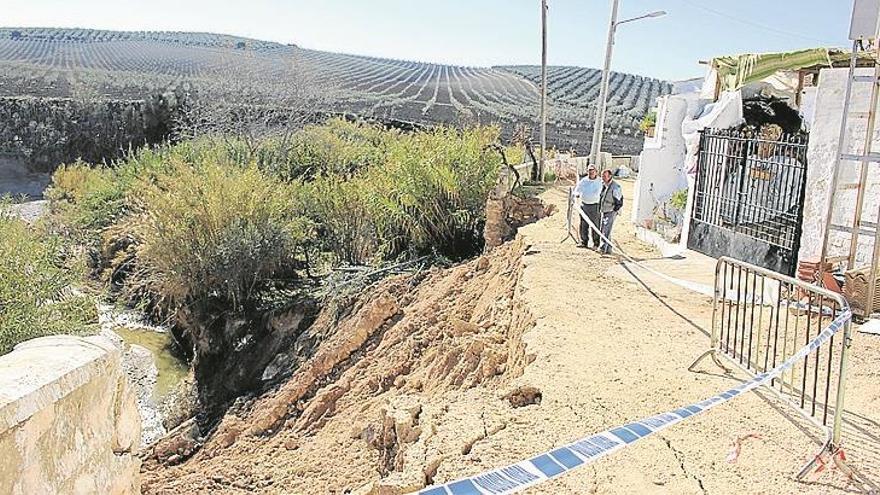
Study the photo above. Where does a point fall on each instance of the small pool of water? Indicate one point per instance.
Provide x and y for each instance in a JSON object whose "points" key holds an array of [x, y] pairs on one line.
{"points": [[172, 370]]}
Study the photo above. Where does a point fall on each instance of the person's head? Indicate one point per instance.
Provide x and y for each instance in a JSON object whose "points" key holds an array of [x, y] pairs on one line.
{"points": [[591, 172], [606, 176]]}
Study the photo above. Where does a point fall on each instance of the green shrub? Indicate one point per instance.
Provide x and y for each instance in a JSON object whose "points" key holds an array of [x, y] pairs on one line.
{"points": [[348, 229], [648, 122], [98, 196], [37, 287], [215, 232], [337, 148], [218, 218], [516, 155], [679, 199], [430, 195]]}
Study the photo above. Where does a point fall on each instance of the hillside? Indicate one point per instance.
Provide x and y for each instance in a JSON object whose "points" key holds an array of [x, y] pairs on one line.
{"points": [[45, 62]]}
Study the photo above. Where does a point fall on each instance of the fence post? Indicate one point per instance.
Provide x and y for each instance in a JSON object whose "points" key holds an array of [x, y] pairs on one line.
{"points": [[841, 384], [568, 213], [700, 179], [714, 335], [742, 162]]}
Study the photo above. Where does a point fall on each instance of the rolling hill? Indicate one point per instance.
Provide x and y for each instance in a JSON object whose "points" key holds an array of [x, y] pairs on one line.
{"points": [[65, 63]]}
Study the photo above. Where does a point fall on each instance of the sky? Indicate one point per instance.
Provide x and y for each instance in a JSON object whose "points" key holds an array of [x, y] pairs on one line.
{"points": [[477, 32]]}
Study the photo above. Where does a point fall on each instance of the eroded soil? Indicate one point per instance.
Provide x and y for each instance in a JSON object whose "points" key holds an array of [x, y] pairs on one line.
{"points": [[534, 345]]}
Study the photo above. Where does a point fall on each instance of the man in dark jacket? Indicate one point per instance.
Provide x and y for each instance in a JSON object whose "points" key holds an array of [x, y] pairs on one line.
{"points": [[610, 202]]}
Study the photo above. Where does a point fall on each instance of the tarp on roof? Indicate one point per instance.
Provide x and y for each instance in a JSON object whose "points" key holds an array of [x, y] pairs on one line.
{"points": [[736, 71]]}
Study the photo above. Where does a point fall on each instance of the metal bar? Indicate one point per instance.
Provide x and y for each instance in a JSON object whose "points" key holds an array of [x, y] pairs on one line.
{"points": [[714, 334], [760, 327], [867, 79], [816, 364], [797, 328], [828, 374], [776, 330], [726, 290], [752, 320], [741, 190], [785, 338], [841, 384], [807, 337], [739, 299], [866, 158], [784, 278], [741, 172]]}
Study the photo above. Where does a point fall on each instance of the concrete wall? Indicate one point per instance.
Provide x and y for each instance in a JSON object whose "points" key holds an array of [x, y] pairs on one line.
{"points": [[821, 154], [661, 164], [68, 420]]}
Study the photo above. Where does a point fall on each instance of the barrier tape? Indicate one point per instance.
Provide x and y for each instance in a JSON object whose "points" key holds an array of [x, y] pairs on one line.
{"points": [[693, 286], [554, 463]]}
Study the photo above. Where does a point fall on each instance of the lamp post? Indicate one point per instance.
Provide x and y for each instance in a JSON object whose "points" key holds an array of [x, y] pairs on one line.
{"points": [[541, 166], [599, 125]]}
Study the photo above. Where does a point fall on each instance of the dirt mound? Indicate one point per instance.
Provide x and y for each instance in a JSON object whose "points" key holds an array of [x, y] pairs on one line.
{"points": [[412, 377]]}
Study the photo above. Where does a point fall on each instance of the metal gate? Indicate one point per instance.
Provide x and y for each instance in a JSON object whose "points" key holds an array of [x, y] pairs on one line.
{"points": [[749, 198]]}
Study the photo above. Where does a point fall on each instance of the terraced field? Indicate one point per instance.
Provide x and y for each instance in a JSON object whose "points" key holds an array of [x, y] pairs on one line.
{"points": [[131, 65]]}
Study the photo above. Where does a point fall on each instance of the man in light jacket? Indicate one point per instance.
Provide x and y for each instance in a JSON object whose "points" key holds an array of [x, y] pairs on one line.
{"points": [[610, 203], [586, 193]]}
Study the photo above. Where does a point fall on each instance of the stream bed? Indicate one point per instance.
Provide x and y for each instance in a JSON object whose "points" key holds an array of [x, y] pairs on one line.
{"points": [[159, 378]]}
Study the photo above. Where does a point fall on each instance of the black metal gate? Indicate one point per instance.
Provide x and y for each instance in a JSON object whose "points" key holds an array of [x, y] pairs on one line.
{"points": [[749, 198]]}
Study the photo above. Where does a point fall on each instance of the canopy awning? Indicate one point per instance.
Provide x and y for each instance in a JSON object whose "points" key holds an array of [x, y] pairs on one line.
{"points": [[736, 71]]}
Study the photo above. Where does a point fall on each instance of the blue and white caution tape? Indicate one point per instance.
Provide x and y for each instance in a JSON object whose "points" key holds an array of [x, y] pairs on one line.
{"points": [[555, 463]]}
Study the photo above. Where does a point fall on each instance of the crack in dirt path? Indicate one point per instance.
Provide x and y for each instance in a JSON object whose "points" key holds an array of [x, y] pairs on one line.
{"points": [[680, 456]]}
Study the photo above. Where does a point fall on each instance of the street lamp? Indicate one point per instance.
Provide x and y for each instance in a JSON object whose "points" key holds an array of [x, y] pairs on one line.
{"points": [[540, 171], [599, 125]]}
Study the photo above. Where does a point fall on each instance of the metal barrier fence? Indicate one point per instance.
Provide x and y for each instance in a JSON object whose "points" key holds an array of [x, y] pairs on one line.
{"points": [[761, 318]]}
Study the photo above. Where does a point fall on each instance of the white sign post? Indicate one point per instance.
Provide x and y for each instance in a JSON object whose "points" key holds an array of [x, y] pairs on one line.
{"points": [[865, 20]]}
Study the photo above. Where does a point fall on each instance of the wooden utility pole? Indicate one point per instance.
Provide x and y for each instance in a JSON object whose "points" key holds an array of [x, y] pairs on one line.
{"points": [[541, 166]]}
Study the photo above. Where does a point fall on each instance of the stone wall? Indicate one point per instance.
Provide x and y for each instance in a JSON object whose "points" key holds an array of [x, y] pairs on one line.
{"points": [[68, 420], [821, 154], [45, 132]]}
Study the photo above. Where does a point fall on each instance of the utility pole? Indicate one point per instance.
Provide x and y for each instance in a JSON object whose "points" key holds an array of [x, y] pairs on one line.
{"points": [[599, 124], [541, 166]]}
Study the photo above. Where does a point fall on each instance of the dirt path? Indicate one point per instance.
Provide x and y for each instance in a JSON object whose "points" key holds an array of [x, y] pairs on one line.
{"points": [[609, 352]]}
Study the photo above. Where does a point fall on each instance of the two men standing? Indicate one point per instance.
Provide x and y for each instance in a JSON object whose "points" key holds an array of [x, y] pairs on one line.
{"points": [[600, 200]]}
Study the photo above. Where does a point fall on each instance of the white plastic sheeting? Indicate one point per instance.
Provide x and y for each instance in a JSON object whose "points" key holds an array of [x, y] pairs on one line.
{"points": [[725, 113]]}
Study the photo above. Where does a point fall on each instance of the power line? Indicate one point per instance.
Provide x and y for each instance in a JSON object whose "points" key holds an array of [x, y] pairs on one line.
{"points": [[755, 24]]}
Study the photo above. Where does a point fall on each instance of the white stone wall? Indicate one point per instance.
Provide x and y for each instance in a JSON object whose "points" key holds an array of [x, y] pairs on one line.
{"points": [[68, 421], [662, 162], [823, 148]]}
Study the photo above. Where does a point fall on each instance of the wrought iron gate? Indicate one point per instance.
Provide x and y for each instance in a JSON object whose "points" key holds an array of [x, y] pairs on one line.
{"points": [[749, 198]]}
